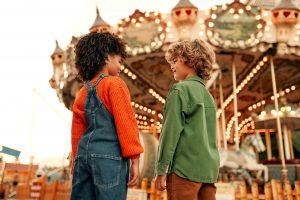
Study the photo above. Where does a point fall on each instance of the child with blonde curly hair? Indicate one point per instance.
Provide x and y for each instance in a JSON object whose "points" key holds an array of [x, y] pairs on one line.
{"points": [[188, 157]]}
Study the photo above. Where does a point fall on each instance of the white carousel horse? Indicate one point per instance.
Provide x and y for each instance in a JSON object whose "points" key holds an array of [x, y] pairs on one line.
{"points": [[245, 157]]}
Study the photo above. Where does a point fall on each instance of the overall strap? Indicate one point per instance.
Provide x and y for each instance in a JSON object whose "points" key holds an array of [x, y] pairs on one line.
{"points": [[88, 84]]}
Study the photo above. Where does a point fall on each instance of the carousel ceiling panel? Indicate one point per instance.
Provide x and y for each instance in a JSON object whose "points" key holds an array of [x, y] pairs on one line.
{"points": [[154, 70], [287, 74]]}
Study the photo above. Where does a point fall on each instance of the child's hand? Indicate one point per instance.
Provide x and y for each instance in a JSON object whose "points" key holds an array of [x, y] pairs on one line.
{"points": [[134, 172], [160, 182]]}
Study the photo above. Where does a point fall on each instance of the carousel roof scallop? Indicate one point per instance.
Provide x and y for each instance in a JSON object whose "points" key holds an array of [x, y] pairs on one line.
{"points": [[184, 4], [99, 21], [286, 4]]}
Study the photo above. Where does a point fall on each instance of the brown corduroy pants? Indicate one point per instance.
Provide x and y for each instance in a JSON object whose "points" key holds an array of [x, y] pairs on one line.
{"points": [[182, 189]]}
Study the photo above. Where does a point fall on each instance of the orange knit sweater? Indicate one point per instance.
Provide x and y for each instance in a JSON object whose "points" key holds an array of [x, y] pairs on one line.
{"points": [[114, 93]]}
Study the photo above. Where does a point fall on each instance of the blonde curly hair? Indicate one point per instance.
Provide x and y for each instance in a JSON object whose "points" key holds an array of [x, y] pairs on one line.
{"points": [[197, 54]]}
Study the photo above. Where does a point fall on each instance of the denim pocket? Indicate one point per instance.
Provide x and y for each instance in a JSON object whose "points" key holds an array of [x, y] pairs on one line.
{"points": [[106, 170]]}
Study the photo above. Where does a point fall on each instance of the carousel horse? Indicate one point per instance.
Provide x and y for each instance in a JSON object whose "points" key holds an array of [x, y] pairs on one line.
{"points": [[245, 157]]}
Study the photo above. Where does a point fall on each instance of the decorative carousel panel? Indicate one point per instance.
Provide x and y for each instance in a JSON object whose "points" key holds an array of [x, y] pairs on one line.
{"points": [[144, 32], [234, 26], [156, 72]]}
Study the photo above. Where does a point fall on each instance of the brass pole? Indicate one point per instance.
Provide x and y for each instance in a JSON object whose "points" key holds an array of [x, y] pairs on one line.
{"points": [[284, 169], [236, 121]]}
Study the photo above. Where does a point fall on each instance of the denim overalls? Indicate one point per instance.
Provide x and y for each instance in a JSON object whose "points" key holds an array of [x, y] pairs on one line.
{"points": [[100, 171]]}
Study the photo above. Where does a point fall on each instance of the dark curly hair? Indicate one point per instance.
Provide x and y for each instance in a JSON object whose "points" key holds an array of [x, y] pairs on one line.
{"points": [[92, 51], [197, 54]]}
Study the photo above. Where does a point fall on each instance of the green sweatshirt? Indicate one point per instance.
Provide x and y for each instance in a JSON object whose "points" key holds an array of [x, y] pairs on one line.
{"points": [[187, 144]]}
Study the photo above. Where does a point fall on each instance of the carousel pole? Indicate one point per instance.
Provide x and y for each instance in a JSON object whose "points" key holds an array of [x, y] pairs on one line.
{"points": [[219, 137], [268, 142], [223, 112], [236, 128], [284, 169]]}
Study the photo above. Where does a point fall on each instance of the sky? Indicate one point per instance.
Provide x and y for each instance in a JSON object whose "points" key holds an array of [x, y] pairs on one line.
{"points": [[32, 118]]}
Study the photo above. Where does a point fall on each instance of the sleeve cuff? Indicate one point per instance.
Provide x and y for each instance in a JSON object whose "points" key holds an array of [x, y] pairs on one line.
{"points": [[161, 169]]}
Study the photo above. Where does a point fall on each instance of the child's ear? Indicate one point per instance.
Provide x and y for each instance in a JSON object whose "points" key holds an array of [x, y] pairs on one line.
{"points": [[107, 60]]}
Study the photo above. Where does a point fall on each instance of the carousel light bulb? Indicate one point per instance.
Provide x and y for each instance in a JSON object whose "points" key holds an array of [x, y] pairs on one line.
{"points": [[160, 29], [127, 19], [145, 109], [167, 29], [258, 17], [241, 11], [259, 26], [236, 16], [251, 75], [261, 63], [132, 103], [213, 16], [157, 21], [209, 33], [265, 59], [287, 90], [224, 7], [248, 7], [250, 108], [153, 112], [133, 21], [121, 29], [129, 74], [263, 102], [149, 110], [231, 10], [163, 16], [155, 13], [210, 24], [157, 96], [258, 104], [136, 105], [141, 107], [214, 7], [257, 67], [133, 77], [126, 70], [138, 25], [201, 33], [163, 101], [293, 87]]}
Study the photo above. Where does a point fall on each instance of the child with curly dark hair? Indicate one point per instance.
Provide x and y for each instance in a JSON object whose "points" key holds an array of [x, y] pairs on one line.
{"points": [[188, 158], [105, 134]]}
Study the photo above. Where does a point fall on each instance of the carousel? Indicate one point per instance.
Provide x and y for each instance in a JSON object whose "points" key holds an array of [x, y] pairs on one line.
{"points": [[255, 81]]}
